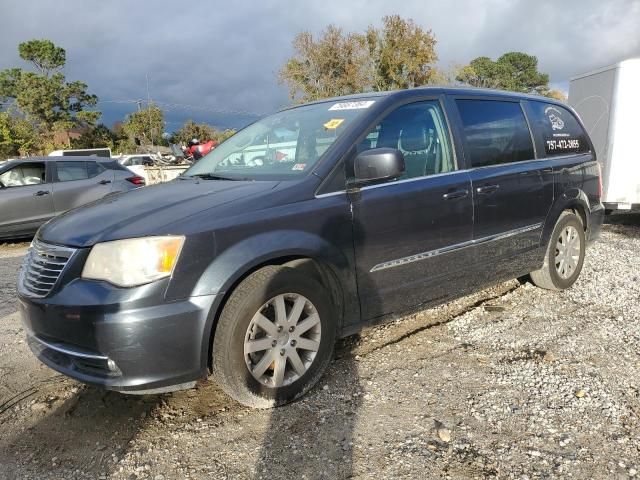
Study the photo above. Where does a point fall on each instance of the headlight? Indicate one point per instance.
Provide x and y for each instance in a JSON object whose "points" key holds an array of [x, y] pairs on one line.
{"points": [[135, 261]]}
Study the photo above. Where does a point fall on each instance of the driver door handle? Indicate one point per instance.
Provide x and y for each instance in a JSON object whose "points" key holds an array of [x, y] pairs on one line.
{"points": [[104, 182], [460, 193], [40, 193]]}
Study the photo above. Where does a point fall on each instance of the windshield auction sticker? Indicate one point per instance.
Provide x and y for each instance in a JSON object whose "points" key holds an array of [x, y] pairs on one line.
{"points": [[333, 123], [352, 105]]}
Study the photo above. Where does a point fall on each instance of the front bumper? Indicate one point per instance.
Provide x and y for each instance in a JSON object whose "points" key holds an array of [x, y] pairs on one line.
{"points": [[130, 340]]}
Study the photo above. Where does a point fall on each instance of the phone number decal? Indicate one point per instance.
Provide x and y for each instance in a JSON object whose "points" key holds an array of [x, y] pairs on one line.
{"points": [[563, 144]]}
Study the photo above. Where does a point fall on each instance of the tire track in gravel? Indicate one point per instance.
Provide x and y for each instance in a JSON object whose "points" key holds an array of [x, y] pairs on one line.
{"points": [[10, 260]]}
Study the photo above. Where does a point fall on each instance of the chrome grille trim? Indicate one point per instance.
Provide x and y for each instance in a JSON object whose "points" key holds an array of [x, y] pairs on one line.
{"points": [[42, 267]]}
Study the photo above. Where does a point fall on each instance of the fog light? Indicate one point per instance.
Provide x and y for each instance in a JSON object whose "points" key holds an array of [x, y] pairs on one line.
{"points": [[112, 365]]}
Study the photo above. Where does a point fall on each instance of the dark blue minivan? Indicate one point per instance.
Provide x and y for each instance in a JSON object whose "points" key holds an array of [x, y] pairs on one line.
{"points": [[304, 227]]}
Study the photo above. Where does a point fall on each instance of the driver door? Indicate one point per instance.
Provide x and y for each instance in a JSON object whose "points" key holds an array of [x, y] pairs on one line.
{"points": [[411, 233], [25, 198]]}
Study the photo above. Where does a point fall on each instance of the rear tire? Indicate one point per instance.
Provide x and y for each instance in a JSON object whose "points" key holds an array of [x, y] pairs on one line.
{"points": [[565, 254], [263, 357]]}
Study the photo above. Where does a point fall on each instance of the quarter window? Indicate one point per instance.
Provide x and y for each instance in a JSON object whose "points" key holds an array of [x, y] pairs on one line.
{"points": [[94, 168], [561, 132], [419, 131], [495, 132]]}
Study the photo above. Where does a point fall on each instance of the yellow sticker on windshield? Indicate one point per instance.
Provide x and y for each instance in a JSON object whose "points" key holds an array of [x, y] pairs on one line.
{"points": [[333, 123]]}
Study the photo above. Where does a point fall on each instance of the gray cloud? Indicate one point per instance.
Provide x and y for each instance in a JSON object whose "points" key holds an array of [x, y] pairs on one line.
{"points": [[221, 56]]}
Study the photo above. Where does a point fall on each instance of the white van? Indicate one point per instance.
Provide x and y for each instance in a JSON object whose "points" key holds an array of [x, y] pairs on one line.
{"points": [[608, 102]]}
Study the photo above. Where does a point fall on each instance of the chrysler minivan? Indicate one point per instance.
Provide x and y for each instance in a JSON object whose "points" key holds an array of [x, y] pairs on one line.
{"points": [[306, 226]]}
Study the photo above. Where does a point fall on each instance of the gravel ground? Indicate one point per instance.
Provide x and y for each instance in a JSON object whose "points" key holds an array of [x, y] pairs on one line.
{"points": [[512, 382]]}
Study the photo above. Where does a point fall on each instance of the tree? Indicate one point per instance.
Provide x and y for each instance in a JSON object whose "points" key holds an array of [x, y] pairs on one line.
{"points": [[17, 136], [201, 131], [557, 94], [335, 64], [402, 54], [191, 130], [221, 135], [146, 126], [45, 98], [515, 71], [446, 76], [43, 54], [399, 55], [98, 137]]}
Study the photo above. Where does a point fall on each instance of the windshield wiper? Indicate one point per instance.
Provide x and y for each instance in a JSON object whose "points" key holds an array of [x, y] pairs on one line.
{"points": [[209, 176]]}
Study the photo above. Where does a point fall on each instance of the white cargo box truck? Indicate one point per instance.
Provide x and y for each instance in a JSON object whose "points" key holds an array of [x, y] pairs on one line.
{"points": [[608, 102]]}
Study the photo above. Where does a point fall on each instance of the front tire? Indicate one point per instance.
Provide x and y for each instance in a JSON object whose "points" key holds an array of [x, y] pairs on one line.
{"points": [[274, 338], [565, 254]]}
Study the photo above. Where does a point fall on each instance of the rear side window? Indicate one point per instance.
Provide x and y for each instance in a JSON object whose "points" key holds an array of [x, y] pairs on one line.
{"points": [[561, 132], [69, 171], [495, 132]]}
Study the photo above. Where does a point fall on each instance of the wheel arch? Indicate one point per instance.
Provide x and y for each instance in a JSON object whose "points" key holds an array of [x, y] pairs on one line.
{"points": [[301, 250], [574, 200]]}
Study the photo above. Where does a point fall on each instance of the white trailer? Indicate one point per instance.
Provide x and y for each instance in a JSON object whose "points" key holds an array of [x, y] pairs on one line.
{"points": [[608, 102]]}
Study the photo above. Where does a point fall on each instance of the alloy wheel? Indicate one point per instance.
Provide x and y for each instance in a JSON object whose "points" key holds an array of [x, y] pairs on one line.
{"points": [[282, 340], [567, 252]]}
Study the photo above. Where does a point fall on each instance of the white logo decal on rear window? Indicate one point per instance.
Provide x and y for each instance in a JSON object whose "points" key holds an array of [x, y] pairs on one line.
{"points": [[553, 114]]}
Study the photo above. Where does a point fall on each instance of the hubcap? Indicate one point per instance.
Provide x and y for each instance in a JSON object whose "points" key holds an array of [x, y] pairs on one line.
{"points": [[282, 340], [567, 252]]}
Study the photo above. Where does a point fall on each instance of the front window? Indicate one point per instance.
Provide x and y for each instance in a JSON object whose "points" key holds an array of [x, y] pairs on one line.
{"points": [[281, 146], [23, 174]]}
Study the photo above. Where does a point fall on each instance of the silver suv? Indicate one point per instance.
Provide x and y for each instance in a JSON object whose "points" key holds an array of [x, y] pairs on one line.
{"points": [[35, 189]]}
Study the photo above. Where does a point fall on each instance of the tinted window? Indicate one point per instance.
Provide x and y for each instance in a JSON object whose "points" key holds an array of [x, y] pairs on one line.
{"points": [[495, 132], [68, 171], [23, 174], [561, 132], [419, 131]]}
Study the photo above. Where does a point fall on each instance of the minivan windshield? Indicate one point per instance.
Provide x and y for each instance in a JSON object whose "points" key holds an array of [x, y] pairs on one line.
{"points": [[281, 146]]}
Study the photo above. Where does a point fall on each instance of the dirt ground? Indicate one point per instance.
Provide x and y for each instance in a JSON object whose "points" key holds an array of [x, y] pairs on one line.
{"points": [[512, 382]]}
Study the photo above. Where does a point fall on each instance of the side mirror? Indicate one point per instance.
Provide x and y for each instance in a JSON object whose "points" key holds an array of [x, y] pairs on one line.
{"points": [[378, 164]]}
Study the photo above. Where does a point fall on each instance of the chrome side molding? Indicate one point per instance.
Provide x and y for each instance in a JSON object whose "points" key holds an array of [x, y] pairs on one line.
{"points": [[458, 246]]}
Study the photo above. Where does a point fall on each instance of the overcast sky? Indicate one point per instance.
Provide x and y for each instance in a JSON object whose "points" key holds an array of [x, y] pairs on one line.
{"points": [[210, 59]]}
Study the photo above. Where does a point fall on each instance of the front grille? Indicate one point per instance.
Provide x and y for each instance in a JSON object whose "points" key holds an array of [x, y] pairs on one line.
{"points": [[42, 266]]}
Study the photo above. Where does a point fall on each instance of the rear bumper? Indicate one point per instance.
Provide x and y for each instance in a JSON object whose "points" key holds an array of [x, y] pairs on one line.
{"points": [[122, 339]]}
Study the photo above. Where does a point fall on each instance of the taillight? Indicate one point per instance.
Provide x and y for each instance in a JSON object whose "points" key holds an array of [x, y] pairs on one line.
{"points": [[599, 180], [136, 180]]}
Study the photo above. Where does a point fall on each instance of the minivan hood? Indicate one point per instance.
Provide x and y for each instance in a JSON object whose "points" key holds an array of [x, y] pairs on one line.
{"points": [[149, 210]]}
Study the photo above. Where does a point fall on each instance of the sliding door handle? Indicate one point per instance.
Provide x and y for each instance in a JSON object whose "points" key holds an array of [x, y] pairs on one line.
{"points": [[485, 189], [461, 193]]}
